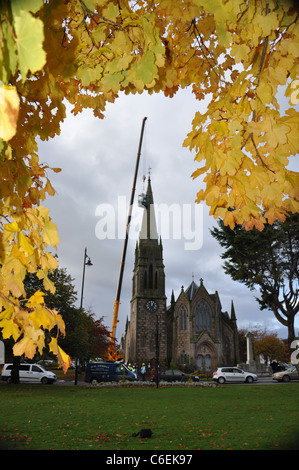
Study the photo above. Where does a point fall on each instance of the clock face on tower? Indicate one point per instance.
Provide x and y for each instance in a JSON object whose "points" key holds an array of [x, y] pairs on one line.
{"points": [[151, 305]]}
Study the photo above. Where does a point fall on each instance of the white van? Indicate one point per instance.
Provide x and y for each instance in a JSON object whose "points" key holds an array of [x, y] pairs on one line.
{"points": [[30, 373]]}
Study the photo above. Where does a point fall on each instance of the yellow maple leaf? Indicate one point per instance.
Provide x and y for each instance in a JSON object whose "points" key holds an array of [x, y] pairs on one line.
{"points": [[240, 52], [265, 92], [9, 329], [40, 318], [63, 358], [24, 242], [48, 284], [50, 233], [278, 134], [9, 111], [14, 284], [267, 23], [36, 299], [13, 227], [229, 219], [26, 346], [212, 194]]}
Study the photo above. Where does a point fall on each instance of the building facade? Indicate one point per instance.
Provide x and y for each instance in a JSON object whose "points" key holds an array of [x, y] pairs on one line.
{"points": [[200, 335], [146, 331], [192, 331]]}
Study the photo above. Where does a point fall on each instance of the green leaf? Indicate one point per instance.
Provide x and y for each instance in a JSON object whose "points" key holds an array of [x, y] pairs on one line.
{"points": [[30, 37], [89, 75], [111, 12], [50, 235], [9, 58], [147, 69], [29, 5], [223, 35], [111, 82]]}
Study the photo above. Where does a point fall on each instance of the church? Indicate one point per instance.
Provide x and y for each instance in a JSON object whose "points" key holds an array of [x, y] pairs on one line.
{"points": [[192, 332]]}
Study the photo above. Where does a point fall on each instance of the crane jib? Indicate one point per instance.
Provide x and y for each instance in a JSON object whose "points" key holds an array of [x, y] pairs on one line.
{"points": [[123, 257]]}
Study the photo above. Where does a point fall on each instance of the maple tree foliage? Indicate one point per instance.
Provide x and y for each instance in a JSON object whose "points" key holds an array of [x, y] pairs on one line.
{"points": [[264, 342], [87, 52], [269, 345]]}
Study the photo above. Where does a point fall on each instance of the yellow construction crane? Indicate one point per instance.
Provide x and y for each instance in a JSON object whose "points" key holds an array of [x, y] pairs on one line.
{"points": [[113, 354]]}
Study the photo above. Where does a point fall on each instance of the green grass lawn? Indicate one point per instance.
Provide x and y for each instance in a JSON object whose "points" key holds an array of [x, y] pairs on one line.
{"points": [[181, 418]]}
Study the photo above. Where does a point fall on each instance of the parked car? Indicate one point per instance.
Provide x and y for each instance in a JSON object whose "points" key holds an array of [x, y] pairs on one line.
{"points": [[29, 373], [233, 374], [175, 375], [286, 375]]}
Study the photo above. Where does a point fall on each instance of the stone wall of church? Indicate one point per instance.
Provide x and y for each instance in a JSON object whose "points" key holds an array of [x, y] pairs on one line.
{"points": [[228, 346], [143, 333], [202, 336]]}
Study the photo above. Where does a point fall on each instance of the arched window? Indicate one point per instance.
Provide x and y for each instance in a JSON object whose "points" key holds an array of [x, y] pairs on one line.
{"points": [[183, 318], [150, 275], [202, 316]]}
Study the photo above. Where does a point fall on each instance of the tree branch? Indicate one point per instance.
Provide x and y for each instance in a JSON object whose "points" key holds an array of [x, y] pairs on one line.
{"points": [[258, 154]]}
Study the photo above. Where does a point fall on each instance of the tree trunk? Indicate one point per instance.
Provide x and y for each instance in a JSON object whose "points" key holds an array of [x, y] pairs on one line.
{"points": [[15, 376], [291, 330]]}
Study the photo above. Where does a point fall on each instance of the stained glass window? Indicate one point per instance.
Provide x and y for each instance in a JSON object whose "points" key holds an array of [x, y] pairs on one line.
{"points": [[202, 316]]}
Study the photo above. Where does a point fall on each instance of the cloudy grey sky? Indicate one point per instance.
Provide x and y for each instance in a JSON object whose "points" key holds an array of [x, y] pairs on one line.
{"points": [[97, 158]]}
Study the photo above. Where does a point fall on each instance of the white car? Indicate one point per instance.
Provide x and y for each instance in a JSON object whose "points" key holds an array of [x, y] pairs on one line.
{"points": [[30, 373], [286, 375], [233, 374]]}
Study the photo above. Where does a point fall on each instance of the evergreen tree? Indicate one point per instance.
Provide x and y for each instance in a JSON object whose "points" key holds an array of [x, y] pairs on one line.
{"points": [[267, 260]]}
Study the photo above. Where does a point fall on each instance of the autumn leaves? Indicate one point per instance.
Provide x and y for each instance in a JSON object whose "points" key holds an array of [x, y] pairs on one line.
{"points": [[236, 53]]}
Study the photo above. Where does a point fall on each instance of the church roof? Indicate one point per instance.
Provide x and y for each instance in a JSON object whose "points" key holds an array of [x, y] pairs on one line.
{"points": [[191, 290]]}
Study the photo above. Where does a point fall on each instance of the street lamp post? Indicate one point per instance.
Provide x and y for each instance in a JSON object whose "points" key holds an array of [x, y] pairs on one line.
{"points": [[157, 350], [86, 262]]}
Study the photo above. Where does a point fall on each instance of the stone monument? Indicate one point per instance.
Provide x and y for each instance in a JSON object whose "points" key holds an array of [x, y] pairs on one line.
{"points": [[251, 363]]}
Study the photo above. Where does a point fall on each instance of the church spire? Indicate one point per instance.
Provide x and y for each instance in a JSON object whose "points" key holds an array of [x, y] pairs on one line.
{"points": [[148, 228], [232, 312]]}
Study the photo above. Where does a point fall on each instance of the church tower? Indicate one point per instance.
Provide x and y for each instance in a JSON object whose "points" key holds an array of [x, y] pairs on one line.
{"points": [[146, 334]]}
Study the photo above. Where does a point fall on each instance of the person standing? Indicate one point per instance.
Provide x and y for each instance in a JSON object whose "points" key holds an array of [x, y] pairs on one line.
{"points": [[143, 370]]}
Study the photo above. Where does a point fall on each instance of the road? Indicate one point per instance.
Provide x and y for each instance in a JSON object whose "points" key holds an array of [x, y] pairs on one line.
{"points": [[261, 381]]}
